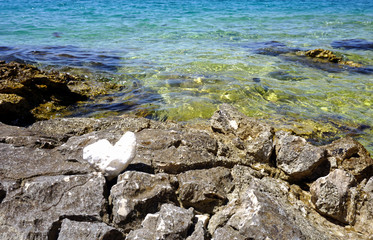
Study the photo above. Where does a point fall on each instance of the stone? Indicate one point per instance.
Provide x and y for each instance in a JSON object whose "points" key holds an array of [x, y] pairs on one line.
{"points": [[350, 155], [88, 231], [170, 223], [111, 160], [227, 232], [256, 137], [137, 193], [25, 162], [175, 151], [37, 207], [199, 232], [333, 196], [204, 190], [296, 157]]}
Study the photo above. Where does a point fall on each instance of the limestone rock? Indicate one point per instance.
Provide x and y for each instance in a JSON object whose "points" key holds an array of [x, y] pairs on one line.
{"points": [[204, 190], [88, 231], [253, 136], [175, 151], [34, 210], [227, 232], [334, 195], [138, 193], [170, 223], [199, 232], [296, 157], [350, 155]]}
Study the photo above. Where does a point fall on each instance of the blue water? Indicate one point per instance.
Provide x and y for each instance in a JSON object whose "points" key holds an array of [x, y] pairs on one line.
{"points": [[180, 59]]}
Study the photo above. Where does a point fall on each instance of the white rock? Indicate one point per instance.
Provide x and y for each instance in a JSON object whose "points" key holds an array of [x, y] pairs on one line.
{"points": [[109, 159]]}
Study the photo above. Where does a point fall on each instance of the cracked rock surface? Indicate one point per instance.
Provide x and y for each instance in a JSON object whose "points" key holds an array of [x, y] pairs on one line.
{"points": [[235, 178]]}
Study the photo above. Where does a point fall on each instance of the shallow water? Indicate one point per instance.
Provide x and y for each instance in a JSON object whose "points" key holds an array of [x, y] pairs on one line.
{"points": [[181, 59]]}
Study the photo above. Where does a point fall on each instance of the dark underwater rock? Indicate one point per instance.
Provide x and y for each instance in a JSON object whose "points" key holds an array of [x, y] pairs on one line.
{"points": [[28, 94], [360, 44]]}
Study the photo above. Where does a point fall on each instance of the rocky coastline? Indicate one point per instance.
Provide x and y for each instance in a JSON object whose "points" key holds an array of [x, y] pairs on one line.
{"points": [[233, 177]]}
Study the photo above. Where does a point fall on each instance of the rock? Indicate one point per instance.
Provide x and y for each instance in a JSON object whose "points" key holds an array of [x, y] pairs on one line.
{"points": [[170, 223], [204, 190], [36, 209], [88, 231], [256, 215], [137, 194], [109, 159], [360, 44], [334, 196], [227, 233], [296, 157], [328, 56], [199, 232], [256, 137], [175, 151], [348, 154], [28, 94]]}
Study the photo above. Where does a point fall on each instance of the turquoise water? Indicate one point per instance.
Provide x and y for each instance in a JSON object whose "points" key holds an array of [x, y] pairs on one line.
{"points": [[181, 59]]}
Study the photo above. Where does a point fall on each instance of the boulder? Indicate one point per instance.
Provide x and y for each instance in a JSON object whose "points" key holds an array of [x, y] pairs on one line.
{"points": [[137, 194], [227, 232], [170, 223], [35, 210], [175, 151], [204, 190], [252, 136], [88, 231], [296, 157], [334, 196], [350, 155]]}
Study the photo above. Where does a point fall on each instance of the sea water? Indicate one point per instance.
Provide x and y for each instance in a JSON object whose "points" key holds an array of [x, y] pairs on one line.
{"points": [[179, 60]]}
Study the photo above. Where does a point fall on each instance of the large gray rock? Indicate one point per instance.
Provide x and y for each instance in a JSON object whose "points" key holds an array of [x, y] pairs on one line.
{"points": [[350, 155], [170, 223], [137, 194], [205, 190], [227, 232], [88, 231], [34, 210], [334, 196], [296, 157], [255, 138], [175, 151]]}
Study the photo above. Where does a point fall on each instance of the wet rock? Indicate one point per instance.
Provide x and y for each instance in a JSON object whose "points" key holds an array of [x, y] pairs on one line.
{"points": [[360, 44], [28, 94], [350, 155], [34, 210], [328, 56], [296, 157], [175, 151], [204, 190], [137, 194], [334, 196], [88, 231], [253, 136], [169, 223]]}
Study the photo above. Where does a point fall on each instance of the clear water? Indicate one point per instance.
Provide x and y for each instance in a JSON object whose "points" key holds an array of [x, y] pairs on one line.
{"points": [[181, 59]]}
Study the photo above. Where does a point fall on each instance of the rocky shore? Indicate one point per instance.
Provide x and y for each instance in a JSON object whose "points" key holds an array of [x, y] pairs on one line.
{"points": [[233, 177]]}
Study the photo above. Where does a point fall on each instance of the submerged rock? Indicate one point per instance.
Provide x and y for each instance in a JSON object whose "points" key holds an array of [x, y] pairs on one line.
{"points": [[360, 44], [28, 94], [329, 56]]}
